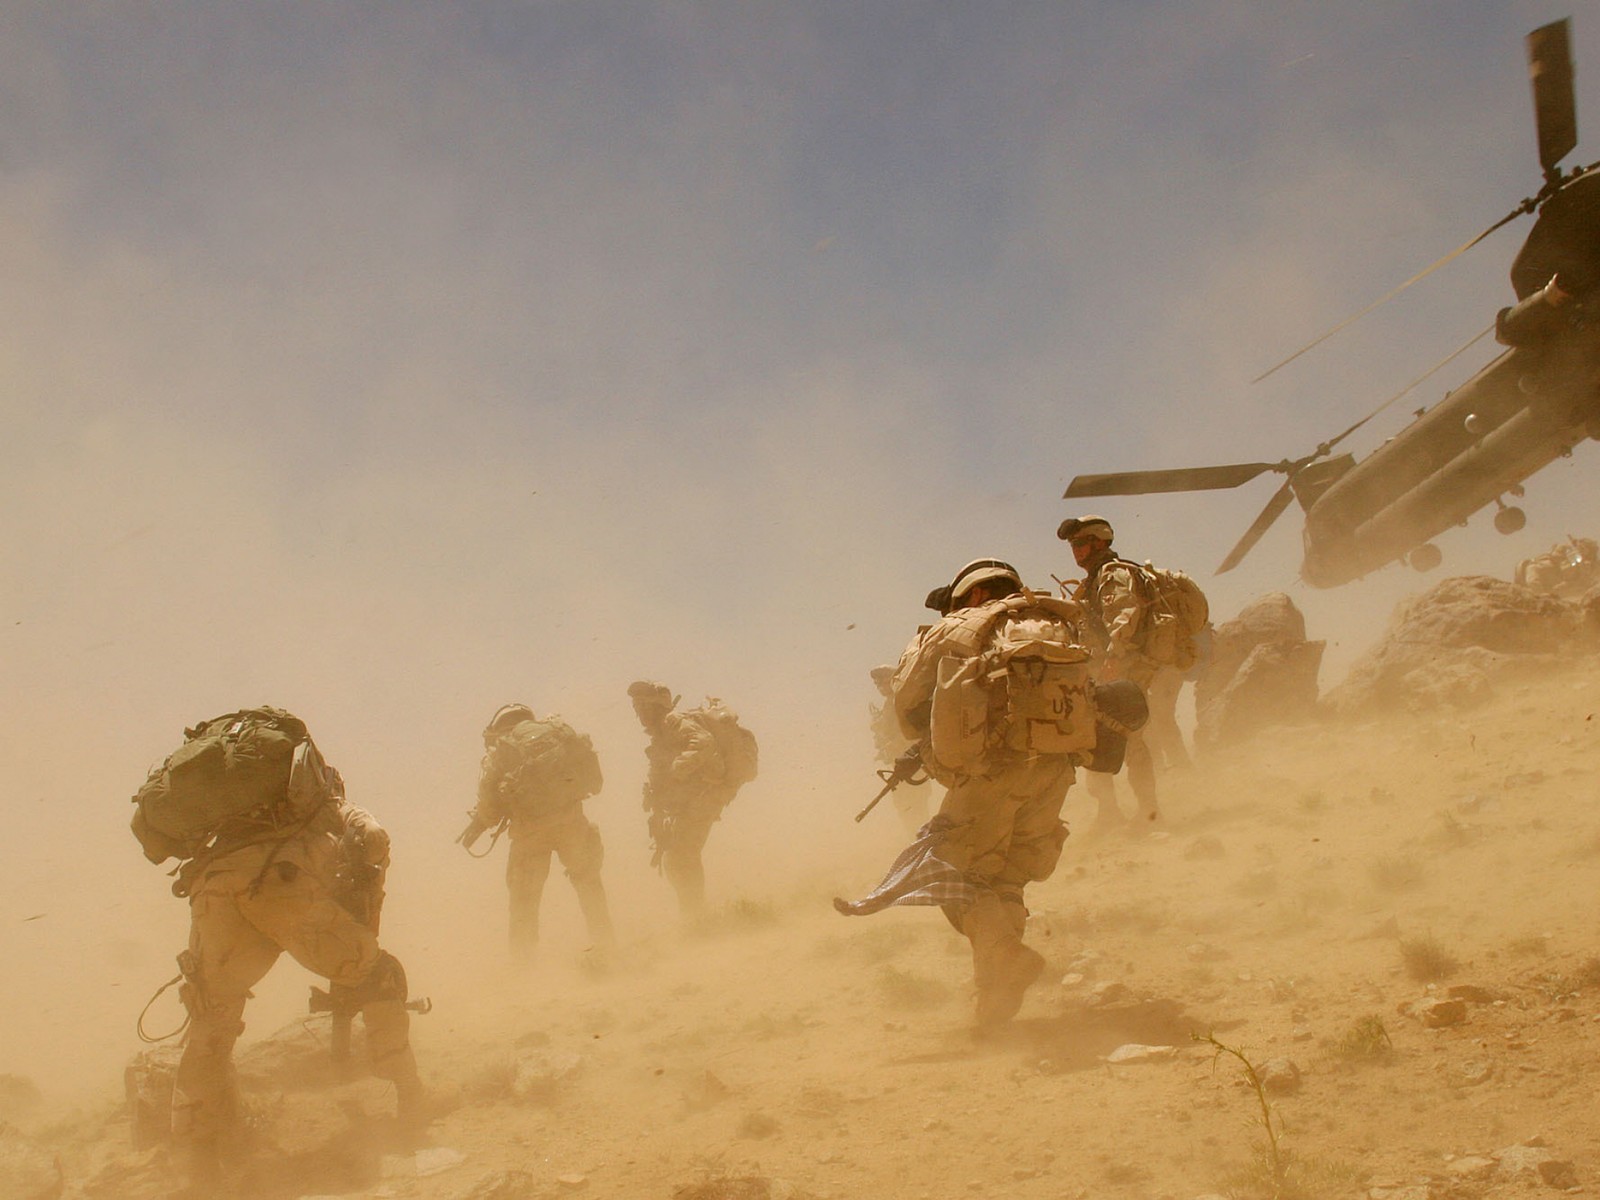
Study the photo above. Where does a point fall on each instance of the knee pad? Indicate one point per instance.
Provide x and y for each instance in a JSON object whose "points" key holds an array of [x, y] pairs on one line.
{"points": [[386, 981]]}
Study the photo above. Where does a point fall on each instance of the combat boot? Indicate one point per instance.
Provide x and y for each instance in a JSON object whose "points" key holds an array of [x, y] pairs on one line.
{"points": [[1015, 972]]}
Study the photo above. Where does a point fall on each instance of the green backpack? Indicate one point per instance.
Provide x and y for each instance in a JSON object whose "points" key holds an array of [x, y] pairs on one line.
{"points": [[229, 768], [550, 764]]}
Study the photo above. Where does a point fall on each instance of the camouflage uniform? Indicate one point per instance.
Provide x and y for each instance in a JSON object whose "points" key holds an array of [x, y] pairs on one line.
{"points": [[545, 819], [1116, 599], [251, 902], [684, 793], [1001, 826]]}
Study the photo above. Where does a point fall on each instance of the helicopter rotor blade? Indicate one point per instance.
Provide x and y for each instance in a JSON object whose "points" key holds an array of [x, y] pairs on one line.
{"points": [[1525, 207], [1554, 110], [1183, 479], [1269, 514]]}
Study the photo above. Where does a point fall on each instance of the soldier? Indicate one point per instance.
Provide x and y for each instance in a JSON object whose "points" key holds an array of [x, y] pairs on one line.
{"points": [[537, 772], [891, 743], [1568, 569], [1117, 600], [274, 859], [698, 761], [999, 652]]}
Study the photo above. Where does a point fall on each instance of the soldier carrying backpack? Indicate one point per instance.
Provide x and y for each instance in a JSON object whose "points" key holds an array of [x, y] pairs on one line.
{"points": [[1150, 628], [699, 759], [267, 843], [536, 774], [998, 699]]}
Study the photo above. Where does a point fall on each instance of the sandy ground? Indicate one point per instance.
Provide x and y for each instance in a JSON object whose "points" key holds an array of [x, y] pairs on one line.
{"points": [[1293, 902]]}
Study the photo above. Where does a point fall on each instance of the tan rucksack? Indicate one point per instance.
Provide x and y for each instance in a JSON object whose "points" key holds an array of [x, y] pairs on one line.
{"points": [[1176, 613], [1012, 680], [735, 743]]}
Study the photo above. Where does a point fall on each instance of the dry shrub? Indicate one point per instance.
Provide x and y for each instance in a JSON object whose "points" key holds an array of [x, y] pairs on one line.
{"points": [[1426, 960], [1365, 1041]]}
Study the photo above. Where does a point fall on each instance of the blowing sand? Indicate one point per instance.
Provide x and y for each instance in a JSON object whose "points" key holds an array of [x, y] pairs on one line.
{"points": [[1304, 897]]}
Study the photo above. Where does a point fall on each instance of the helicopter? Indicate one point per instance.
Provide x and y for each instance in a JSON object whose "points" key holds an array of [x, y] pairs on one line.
{"points": [[1530, 405]]}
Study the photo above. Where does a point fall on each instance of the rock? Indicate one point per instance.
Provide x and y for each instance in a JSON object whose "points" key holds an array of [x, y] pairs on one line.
{"points": [[1472, 1167], [503, 1185], [1447, 647], [1133, 1052], [1473, 1072], [541, 1074], [572, 1181], [1108, 992], [1262, 672], [26, 1171], [1474, 993], [1535, 1163], [1279, 1075], [1437, 1013]]}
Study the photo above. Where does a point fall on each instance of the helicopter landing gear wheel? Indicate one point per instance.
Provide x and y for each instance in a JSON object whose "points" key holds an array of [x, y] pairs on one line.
{"points": [[1510, 520], [1425, 557]]}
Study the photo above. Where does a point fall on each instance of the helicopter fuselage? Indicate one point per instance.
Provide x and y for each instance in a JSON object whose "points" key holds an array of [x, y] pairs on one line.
{"points": [[1528, 407]]}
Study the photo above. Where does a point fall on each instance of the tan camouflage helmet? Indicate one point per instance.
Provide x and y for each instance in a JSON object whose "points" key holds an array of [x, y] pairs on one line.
{"points": [[1074, 528], [507, 717], [646, 691], [982, 570]]}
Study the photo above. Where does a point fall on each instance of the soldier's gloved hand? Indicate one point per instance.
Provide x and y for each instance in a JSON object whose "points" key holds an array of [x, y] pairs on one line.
{"points": [[373, 843]]}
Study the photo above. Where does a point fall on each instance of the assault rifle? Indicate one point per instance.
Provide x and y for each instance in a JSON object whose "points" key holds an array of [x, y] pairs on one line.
{"points": [[907, 769], [475, 829]]}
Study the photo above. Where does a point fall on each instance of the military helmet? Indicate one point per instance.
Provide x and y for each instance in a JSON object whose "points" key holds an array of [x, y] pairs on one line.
{"points": [[1090, 526], [648, 691], [508, 716], [982, 570]]}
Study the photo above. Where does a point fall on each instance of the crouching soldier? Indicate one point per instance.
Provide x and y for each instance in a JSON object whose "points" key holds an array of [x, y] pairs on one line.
{"points": [[269, 846]]}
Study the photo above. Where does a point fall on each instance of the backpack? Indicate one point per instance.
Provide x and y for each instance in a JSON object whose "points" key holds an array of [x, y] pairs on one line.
{"points": [[1024, 691], [258, 764], [1178, 613], [550, 764], [735, 743]]}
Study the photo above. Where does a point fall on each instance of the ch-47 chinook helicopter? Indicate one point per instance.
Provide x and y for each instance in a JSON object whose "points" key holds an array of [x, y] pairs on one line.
{"points": [[1530, 405]]}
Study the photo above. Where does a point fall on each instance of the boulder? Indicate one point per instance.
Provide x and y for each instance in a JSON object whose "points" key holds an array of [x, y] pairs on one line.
{"points": [[1261, 672], [1448, 646]]}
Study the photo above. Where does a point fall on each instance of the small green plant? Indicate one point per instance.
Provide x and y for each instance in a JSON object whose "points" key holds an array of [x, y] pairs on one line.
{"points": [[1274, 1172], [1365, 1041], [1426, 960]]}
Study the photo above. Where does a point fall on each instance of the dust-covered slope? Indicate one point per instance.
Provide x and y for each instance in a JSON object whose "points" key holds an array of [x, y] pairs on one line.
{"points": [[1295, 903]]}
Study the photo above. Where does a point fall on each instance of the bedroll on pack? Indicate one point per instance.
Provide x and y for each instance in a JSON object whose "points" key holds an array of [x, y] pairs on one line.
{"points": [[735, 743], [1027, 691], [551, 764], [1178, 613], [257, 763]]}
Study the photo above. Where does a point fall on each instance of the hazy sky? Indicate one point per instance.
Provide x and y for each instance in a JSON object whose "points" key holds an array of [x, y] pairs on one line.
{"points": [[389, 362]]}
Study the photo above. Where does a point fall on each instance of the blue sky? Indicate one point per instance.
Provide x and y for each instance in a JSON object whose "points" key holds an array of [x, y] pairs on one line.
{"points": [[394, 359]]}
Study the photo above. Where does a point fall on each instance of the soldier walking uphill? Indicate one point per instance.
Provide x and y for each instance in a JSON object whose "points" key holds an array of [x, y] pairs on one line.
{"points": [[274, 859], [698, 759], [998, 699], [1146, 622], [537, 772]]}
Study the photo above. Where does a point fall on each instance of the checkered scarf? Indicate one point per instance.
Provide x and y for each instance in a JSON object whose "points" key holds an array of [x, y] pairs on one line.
{"points": [[917, 876]]}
